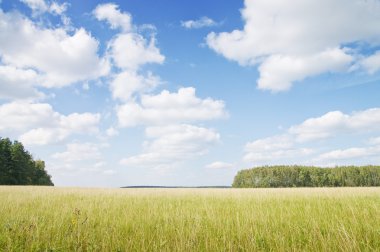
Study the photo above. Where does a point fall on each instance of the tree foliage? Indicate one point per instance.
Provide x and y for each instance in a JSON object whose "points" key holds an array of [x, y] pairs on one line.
{"points": [[306, 176], [17, 166]]}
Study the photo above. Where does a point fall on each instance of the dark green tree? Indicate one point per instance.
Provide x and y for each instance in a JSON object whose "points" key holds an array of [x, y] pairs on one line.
{"points": [[6, 169], [17, 166], [303, 176]]}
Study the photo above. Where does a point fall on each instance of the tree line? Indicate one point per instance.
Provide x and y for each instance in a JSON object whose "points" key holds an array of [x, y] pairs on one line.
{"points": [[307, 176], [17, 166]]}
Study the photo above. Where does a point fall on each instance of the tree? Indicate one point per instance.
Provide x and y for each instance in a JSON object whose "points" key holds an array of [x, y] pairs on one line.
{"points": [[6, 170], [17, 166], [40, 177], [303, 176]]}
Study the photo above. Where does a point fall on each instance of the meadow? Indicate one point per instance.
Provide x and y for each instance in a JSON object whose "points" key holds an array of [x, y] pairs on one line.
{"points": [[291, 219]]}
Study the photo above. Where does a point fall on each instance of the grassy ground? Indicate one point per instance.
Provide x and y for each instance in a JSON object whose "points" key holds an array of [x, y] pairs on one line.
{"points": [[67, 219]]}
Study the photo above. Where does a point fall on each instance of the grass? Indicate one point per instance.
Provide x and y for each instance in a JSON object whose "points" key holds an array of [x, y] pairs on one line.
{"points": [[295, 219]]}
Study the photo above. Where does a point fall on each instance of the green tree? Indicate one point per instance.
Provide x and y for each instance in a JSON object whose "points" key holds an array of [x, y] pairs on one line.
{"points": [[17, 166], [6, 170], [40, 177], [303, 176]]}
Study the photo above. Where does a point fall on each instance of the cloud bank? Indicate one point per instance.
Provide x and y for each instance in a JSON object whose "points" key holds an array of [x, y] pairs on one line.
{"points": [[293, 40]]}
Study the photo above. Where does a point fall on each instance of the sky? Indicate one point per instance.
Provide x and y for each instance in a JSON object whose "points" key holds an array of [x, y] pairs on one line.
{"points": [[187, 93]]}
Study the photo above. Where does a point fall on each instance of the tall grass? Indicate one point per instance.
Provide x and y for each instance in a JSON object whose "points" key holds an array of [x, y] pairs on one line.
{"points": [[294, 219]]}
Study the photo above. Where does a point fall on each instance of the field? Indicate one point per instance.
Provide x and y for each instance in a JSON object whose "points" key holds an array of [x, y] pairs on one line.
{"points": [[294, 219]]}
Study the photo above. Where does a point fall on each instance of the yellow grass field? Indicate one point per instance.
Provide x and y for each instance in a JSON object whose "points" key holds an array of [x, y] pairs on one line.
{"points": [[295, 219]]}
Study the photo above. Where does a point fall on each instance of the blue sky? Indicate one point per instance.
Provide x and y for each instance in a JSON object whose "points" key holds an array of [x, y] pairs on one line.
{"points": [[189, 92]]}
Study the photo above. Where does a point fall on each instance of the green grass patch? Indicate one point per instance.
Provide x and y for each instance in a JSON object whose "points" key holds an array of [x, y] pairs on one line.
{"points": [[293, 219]]}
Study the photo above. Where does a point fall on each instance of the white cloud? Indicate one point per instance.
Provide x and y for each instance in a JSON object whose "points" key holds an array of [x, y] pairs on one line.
{"points": [[172, 144], [309, 36], [320, 127], [374, 140], [127, 83], [80, 152], [85, 123], [131, 50], [199, 23], [22, 115], [59, 58], [279, 157], [110, 12], [112, 132], [128, 49], [336, 122], [17, 83], [350, 153], [58, 9], [372, 63], [37, 6], [109, 172], [278, 72], [40, 7], [39, 124], [271, 143], [80, 157], [219, 165], [43, 136], [166, 108], [100, 164], [289, 148], [279, 149]]}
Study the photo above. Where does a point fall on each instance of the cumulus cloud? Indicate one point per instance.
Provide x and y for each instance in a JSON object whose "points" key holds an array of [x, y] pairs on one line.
{"points": [[270, 143], [335, 122], [279, 72], [85, 123], [372, 63], [78, 157], [164, 108], [199, 23], [299, 143], [125, 85], [131, 50], [22, 115], [44, 136], [350, 153], [128, 49], [39, 124], [171, 144], [279, 157], [58, 9], [115, 18], [80, 152], [112, 132], [219, 165], [292, 40], [51, 56], [18, 83], [279, 149]]}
